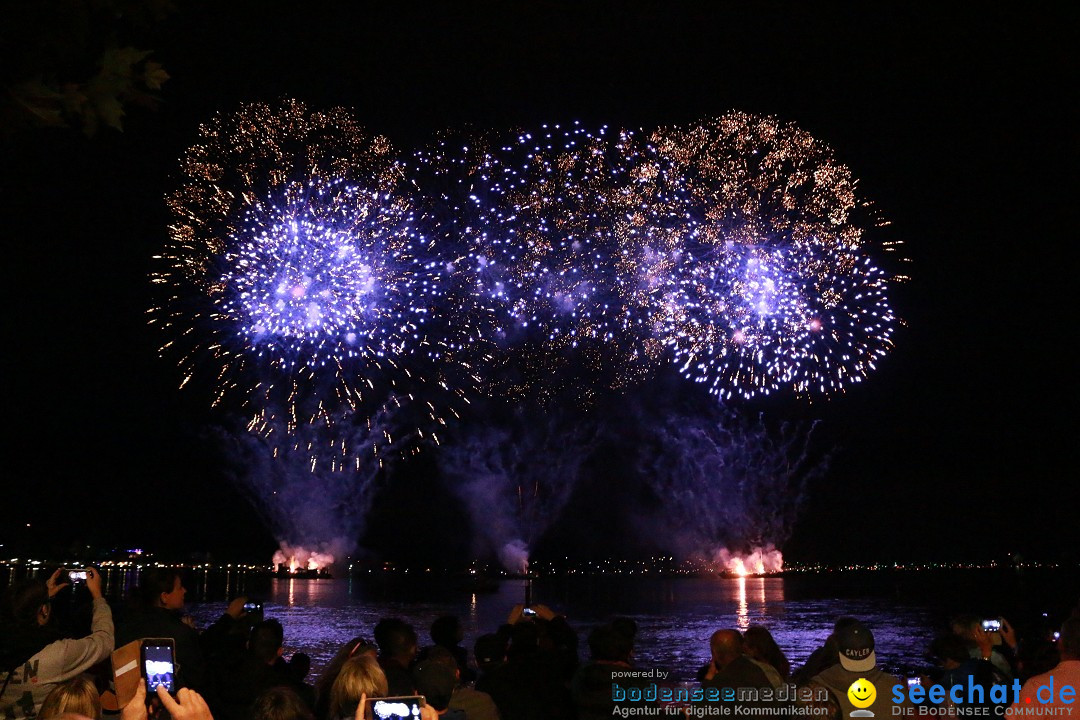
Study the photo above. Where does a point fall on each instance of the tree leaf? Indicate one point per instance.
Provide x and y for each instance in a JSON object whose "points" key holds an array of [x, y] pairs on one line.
{"points": [[120, 61], [110, 110], [154, 75]]}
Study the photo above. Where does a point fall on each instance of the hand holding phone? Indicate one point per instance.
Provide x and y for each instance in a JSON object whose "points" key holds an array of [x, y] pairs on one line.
{"points": [[157, 660], [188, 705], [52, 585], [135, 709]]}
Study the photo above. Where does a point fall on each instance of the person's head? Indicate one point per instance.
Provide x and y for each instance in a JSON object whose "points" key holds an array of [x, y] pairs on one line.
{"points": [[950, 650], [759, 644], [360, 675], [964, 625], [163, 588], [356, 646], [280, 703], [1069, 642], [489, 651], [266, 641], [844, 621], [435, 679], [725, 646], [396, 640], [360, 646], [626, 626], [26, 604], [524, 640], [77, 696], [606, 644], [443, 656], [1036, 654], [855, 648], [447, 631], [300, 666]]}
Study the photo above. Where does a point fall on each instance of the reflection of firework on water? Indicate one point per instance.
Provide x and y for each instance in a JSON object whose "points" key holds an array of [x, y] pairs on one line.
{"points": [[299, 279], [774, 287], [560, 234]]}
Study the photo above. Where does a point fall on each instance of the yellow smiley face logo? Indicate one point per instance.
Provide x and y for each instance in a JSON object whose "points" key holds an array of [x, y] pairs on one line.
{"points": [[862, 693]]}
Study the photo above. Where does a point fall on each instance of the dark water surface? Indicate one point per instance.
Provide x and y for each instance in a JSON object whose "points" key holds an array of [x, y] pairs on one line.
{"points": [[675, 615]]}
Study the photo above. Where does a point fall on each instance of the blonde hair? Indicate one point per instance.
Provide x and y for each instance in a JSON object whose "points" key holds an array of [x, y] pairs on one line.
{"points": [[360, 674], [77, 696]]}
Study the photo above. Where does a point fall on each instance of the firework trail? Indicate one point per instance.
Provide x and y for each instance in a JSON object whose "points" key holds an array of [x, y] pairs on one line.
{"points": [[775, 287], [515, 476], [299, 279]]}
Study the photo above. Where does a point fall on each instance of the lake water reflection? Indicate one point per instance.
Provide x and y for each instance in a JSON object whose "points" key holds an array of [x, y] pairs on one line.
{"points": [[675, 615]]}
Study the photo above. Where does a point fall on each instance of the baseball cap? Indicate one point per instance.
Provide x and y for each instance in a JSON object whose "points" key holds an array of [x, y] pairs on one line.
{"points": [[856, 644]]}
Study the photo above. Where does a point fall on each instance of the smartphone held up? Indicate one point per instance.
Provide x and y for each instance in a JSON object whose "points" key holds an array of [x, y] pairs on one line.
{"points": [[394, 708], [157, 659]]}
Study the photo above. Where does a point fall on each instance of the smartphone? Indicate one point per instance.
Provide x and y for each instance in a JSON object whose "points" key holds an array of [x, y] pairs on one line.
{"points": [[991, 625], [913, 681], [528, 612], [254, 608], [77, 576], [394, 708], [1057, 636], [157, 657]]}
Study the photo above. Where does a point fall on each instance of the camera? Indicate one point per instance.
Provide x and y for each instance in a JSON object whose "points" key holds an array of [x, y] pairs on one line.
{"points": [[77, 576], [394, 708], [157, 658]]}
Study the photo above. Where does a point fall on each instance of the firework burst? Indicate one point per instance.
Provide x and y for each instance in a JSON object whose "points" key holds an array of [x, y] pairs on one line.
{"points": [[560, 234], [300, 279], [774, 287]]}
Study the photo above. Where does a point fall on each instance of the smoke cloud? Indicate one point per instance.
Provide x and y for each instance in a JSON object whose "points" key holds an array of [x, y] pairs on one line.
{"points": [[515, 476], [729, 487], [314, 492]]}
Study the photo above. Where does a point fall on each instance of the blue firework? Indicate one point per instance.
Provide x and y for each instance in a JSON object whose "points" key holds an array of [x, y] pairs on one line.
{"points": [[774, 287], [302, 287]]}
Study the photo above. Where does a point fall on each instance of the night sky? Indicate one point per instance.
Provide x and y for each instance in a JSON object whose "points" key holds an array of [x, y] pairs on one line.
{"points": [[957, 123]]}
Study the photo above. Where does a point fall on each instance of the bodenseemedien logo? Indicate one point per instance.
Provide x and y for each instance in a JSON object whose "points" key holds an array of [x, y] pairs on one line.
{"points": [[862, 694]]}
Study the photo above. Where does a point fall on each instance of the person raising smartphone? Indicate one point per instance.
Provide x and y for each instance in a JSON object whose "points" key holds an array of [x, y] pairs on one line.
{"points": [[34, 658]]}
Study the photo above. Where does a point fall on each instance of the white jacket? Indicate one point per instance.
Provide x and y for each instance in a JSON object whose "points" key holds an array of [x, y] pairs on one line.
{"points": [[56, 663]]}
